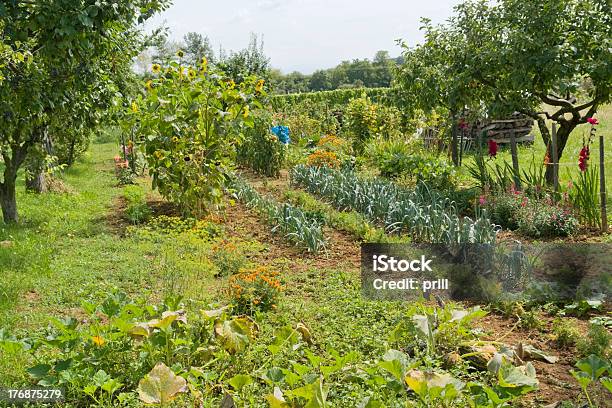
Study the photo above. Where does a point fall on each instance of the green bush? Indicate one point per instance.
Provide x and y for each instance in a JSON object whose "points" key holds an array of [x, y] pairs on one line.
{"points": [[361, 122], [596, 342], [136, 211], [190, 122], [538, 220], [261, 150], [532, 217], [504, 210], [397, 159]]}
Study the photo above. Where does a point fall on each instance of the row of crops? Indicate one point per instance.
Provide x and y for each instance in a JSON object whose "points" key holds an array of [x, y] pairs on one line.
{"points": [[424, 214], [338, 97], [287, 220]]}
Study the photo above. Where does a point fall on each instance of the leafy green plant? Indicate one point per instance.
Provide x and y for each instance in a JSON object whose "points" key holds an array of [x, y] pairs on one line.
{"points": [[565, 332], [189, 124], [361, 122], [503, 209], [596, 342], [439, 330], [543, 221], [229, 257], [127, 346], [592, 368], [585, 196], [136, 211], [261, 150], [400, 158]]}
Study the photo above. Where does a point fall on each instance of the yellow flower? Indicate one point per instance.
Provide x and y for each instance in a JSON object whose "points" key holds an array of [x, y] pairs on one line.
{"points": [[180, 54], [259, 86], [231, 84], [98, 341], [191, 73], [149, 85], [156, 68], [134, 107], [245, 114], [158, 154], [204, 62], [175, 139]]}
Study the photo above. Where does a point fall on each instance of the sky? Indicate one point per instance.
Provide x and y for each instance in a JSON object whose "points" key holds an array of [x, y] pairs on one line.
{"points": [[306, 35]]}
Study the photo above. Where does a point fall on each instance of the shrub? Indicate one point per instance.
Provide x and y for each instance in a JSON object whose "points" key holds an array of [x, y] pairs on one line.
{"points": [[538, 220], [504, 210], [137, 211], [397, 158], [254, 289], [261, 150], [361, 122], [532, 217]]}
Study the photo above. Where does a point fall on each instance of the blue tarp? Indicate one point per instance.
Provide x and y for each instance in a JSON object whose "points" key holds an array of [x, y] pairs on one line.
{"points": [[282, 132]]}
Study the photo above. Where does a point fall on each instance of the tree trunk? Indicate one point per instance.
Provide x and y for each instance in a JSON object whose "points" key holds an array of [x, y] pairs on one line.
{"points": [[36, 180], [565, 129], [454, 141], [8, 199]]}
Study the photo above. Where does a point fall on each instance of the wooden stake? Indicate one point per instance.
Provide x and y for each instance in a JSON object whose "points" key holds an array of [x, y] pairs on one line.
{"points": [[515, 162], [602, 186], [555, 158]]}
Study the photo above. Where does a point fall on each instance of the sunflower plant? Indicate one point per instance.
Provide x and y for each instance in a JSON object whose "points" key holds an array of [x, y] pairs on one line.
{"points": [[190, 122]]}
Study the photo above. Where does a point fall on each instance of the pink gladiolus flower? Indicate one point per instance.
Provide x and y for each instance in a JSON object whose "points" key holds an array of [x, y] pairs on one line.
{"points": [[583, 158], [482, 200], [593, 121]]}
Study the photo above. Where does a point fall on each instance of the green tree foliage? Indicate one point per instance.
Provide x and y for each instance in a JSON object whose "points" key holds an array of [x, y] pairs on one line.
{"points": [[349, 74], [516, 55], [69, 56], [197, 47], [248, 61]]}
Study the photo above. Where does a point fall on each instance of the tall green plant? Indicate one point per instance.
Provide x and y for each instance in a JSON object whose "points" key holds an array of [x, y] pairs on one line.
{"points": [[190, 124], [585, 196], [261, 150]]}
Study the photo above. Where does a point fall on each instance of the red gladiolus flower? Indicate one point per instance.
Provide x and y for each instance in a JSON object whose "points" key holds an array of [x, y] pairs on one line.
{"points": [[593, 121], [482, 200], [492, 148], [583, 158]]}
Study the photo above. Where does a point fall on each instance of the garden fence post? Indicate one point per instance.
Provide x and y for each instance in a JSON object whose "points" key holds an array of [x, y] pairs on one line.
{"points": [[515, 161], [602, 185], [454, 150], [555, 159]]}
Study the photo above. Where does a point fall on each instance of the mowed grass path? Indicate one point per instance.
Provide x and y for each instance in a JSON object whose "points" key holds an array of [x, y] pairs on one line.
{"points": [[62, 251]]}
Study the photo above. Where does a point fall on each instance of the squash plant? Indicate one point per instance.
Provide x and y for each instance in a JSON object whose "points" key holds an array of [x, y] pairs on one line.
{"points": [[190, 123]]}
